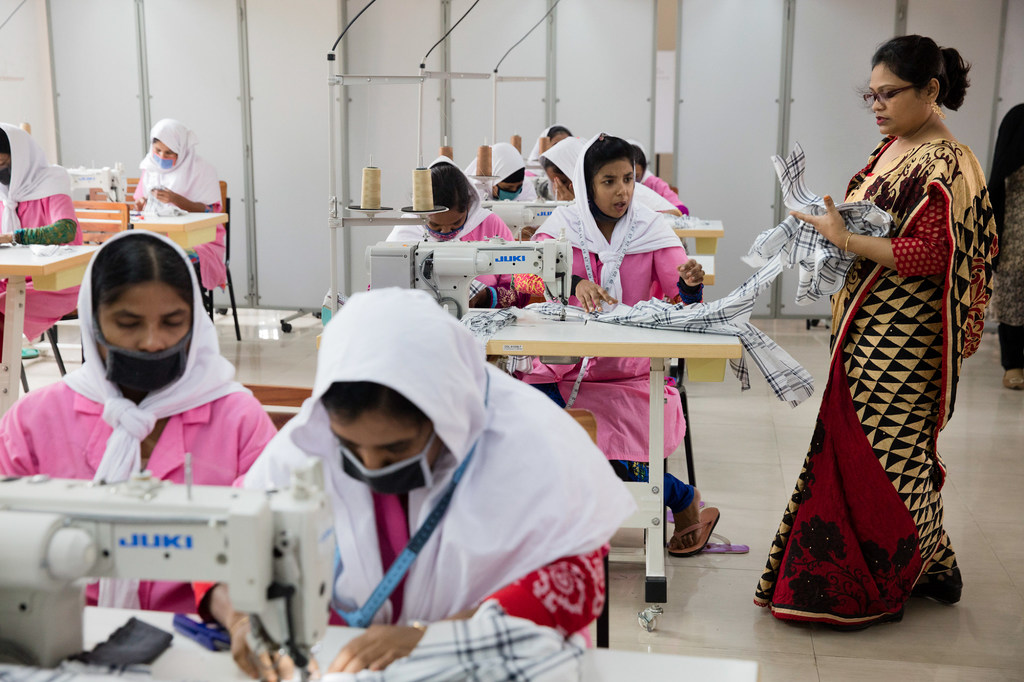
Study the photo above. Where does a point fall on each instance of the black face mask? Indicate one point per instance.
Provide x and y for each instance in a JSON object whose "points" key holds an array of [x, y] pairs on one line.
{"points": [[5, 176], [599, 214], [394, 479], [142, 371]]}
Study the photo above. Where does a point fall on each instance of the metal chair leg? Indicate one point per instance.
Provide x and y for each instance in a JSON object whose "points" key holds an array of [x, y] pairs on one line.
{"points": [[234, 310], [687, 443], [24, 379], [51, 334]]}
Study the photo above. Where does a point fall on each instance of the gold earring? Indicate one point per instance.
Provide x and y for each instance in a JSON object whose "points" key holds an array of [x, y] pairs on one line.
{"points": [[938, 111]]}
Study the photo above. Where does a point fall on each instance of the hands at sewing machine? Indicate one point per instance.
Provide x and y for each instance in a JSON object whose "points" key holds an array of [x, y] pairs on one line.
{"points": [[377, 648], [691, 273], [591, 296]]}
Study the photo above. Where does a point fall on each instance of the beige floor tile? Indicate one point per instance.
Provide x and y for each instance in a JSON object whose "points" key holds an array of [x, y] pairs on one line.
{"points": [[836, 669]]}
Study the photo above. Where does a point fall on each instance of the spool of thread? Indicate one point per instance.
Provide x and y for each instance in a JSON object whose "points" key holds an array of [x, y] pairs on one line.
{"points": [[517, 142], [422, 190], [370, 196], [483, 160], [545, 144], [26, 126], [447, 151]]}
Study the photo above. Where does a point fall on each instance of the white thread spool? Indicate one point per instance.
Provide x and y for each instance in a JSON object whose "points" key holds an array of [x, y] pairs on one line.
{"points": [[422, 190], [370, 196]]}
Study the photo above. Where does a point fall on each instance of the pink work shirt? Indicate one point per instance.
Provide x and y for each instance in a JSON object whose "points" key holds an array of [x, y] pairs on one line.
{"points": [[617, 390], [212, 269], [662, 188], [44, 308], [55, 431]]}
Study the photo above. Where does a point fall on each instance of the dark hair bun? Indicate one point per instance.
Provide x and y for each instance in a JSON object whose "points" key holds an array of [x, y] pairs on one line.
{"points": [[952, 96]]}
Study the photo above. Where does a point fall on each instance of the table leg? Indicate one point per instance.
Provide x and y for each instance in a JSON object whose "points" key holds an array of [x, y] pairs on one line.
{"points": [[14, 324], [656, 585]]}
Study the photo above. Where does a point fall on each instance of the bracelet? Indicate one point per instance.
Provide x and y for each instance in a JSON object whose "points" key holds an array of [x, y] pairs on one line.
{"points": [[422, 627], [846, 246]]}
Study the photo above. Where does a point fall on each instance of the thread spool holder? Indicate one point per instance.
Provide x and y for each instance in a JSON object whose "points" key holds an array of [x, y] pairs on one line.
{"points": [[436, 209], [371, 212]]}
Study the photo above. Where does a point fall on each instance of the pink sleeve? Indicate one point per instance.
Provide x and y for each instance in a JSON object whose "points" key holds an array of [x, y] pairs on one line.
{"points": [[662, 188], [665, 270], [16, 458], [255, 429], [140, 189]]}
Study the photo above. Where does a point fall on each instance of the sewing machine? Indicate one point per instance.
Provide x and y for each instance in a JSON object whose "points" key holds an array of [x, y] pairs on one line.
{"points": [[447, 269], [111, 180], [519, 214], [275, 551]]}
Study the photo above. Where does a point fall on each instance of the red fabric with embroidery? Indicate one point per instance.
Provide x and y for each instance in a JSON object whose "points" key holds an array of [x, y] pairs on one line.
{"points": [[849, 562], [924, 249]]}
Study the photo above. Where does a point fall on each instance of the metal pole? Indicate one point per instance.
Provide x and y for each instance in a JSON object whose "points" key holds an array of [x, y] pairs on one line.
{"points": [[653, 99], [140, 46], [419, 123], [53, 81], [785, 104], [678, 99], [332, 179], [996, 99], [900, 27], [249, 194], [551, 67], [494, 107], [346, 198]]}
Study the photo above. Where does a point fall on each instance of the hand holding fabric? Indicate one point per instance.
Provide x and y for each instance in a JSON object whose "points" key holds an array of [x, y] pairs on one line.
{"points": [[691, 273], [377, 648], [591, 296], [831, 225]]}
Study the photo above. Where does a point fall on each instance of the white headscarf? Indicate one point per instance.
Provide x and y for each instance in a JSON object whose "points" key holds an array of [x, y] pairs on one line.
{"points": [[647, 168], [505, 161], [564, 154], [191, 176], [536, 490], [534, 156], [475, 215], [650, 231], [31, 177]]}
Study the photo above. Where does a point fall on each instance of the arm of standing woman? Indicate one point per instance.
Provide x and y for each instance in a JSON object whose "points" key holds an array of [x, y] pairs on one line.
{"points": [[833, 228]]}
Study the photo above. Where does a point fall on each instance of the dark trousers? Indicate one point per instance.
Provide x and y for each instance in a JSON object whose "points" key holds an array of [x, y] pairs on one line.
{"points": [[1011, 346]]}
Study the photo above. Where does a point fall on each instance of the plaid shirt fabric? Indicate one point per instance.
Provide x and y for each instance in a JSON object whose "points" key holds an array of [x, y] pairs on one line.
{"points": [[489, 646], [823, 266]]}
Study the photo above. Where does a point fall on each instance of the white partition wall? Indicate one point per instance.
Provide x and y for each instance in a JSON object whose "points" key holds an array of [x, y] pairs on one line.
{"points": [[382, 118], [729, 61], [827, 116], [97, 83], [605, 67], [1011, 83], [25, 85], [288, 44], [476, 46], [201, 89], [973, 29]]}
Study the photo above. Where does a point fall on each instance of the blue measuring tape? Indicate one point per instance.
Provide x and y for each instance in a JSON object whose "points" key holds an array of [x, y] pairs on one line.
{"points": [[363, 616]]}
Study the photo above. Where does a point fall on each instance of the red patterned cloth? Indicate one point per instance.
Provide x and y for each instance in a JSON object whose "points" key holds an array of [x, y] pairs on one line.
{"points": [[567, 594], [924, 250]]}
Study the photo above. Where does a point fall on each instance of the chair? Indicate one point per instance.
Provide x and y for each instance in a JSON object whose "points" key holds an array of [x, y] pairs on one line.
{"points": [[225, 204], [585, 418], [99, 221], [280, 396]]}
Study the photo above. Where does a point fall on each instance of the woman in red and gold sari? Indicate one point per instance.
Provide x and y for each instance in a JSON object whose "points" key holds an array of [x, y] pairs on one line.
{"points": [[863, 530]]}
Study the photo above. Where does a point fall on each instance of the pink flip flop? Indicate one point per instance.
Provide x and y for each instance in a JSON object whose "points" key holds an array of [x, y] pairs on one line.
{"points": [[708, 520], [724, 547]]}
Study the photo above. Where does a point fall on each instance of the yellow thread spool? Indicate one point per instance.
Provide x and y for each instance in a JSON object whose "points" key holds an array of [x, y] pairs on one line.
{"points": [[370, 195], [483, 160], [422, 190]]}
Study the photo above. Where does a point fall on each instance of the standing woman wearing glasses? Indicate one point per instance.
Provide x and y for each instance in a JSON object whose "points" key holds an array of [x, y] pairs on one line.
{"points": [[863, 530]]}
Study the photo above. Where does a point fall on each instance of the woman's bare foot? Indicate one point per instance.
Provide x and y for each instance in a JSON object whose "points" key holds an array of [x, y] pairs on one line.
{"points": [[684, 519]]}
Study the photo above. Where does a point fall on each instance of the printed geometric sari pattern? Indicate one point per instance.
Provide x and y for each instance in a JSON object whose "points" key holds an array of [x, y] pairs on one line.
{"points": [[897, 346]]}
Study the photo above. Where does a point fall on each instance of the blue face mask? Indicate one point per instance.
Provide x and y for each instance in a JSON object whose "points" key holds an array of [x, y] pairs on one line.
{"points": [[164, 164], [394, 479], [505, 195]]}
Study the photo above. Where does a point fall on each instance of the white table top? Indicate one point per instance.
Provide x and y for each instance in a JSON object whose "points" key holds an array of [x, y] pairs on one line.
{"points": [[189, 221], [20, 260], [702, 228], [188, 660], [533, 334]]}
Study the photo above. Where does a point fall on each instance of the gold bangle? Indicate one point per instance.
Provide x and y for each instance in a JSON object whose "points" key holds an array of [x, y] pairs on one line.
{"points": [[846, 246], [422, 627]]}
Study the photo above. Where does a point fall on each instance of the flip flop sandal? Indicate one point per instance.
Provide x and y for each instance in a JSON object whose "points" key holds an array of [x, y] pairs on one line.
{"points": [[708, 520], [724, 547], [671, 517]]}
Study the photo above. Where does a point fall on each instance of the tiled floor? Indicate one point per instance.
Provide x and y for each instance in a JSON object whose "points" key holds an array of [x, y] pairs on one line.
{"points": [[749, 449]]}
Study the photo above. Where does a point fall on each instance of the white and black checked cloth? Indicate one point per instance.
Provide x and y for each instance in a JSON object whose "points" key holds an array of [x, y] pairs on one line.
{"points": [[822, 266], [489, 647]]}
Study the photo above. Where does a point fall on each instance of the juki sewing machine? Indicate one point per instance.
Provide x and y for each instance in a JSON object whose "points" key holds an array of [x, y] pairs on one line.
{"points": [[274, 550], [110, 180], [519, 214], [447, 269]]}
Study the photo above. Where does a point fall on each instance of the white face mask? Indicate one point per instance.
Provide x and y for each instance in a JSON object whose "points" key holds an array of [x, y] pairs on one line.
{"points": [[394, 479]]}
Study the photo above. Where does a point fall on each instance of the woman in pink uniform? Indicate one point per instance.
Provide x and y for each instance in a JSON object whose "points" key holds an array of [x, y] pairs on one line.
{"points": [[464, 221], [623, 251], [652, 181], [174, 175], [36, 206], [153, 387]]}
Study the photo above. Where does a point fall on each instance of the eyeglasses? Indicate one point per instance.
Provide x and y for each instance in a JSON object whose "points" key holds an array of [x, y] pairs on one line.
{"points": [[883, 97]]}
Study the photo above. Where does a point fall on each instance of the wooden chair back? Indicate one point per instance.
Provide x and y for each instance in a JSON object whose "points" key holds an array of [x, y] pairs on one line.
{"points": [[130, 186], [273, 398], [585, 418], [100, 220]]}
